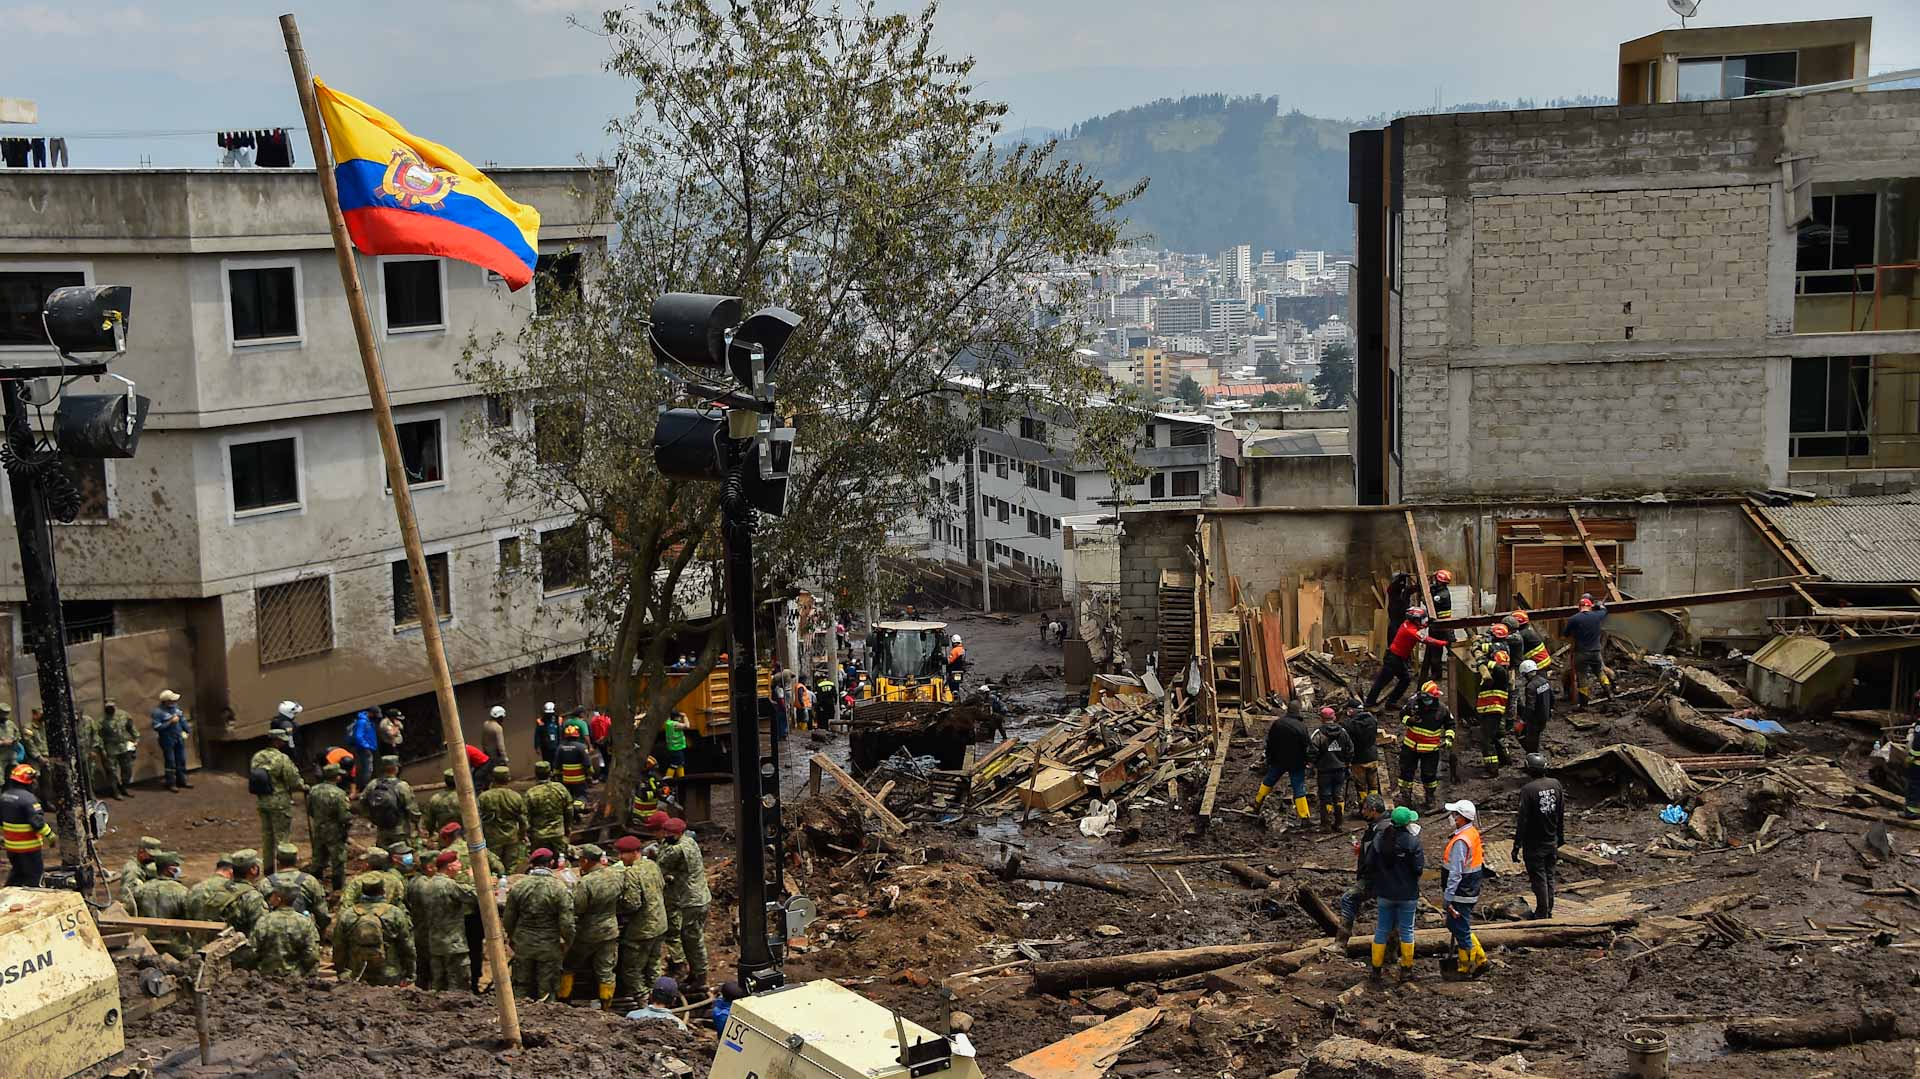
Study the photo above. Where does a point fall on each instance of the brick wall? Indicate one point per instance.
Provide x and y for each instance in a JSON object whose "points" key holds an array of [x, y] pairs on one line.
{"points": [[1679, 264], [1423, 273], [1879, 126]]}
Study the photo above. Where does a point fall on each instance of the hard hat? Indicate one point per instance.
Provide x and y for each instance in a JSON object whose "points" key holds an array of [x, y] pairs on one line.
{"points": [[1417, 614], [956, 638], [1500, 631], [651, 763], [547, 708], [1536, 763], [1586, 601], [1501, 659], [1465, 809], [1528, 666], [1520, 617], [23, 773], [497, 712], [1442, 576], [1431, 689], [290, 708]]}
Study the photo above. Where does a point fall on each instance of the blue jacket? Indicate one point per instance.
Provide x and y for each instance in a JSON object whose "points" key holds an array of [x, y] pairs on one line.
{"points": [[363, 735], [1396, 861], [160, 717]]}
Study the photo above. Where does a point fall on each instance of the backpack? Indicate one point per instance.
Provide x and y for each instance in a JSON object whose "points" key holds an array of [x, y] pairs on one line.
{"points": [[259, 782], [383, 803], [367, 939]]}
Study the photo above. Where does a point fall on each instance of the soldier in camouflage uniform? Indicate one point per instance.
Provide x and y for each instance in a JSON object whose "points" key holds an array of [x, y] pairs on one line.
{"points": [[596, 915], [549, 809], [92, 771], [416, 869], [140, 867], [643, 919], [10, 748], [452, 838], [538, 921], [379, 866], [373, 939], [444, 807], [120, 743], [276, 807], [222, 898], [503, 816], [687, 899], [34, 737], [329, 815], [163, 897], [285, 943], [406, 818], [449, 898], [309, 898]]}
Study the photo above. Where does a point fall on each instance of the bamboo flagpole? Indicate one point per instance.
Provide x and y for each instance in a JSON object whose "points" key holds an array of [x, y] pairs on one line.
{"points": [[496, 951]]}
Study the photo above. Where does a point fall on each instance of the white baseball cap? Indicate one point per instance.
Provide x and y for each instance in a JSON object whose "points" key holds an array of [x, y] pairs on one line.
{"points": [[1464, 808], [497, 712]]}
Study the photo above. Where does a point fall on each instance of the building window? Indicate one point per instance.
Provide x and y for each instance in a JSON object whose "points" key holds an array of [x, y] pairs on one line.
{"points": [[1837, 238], [556, 282], [557, 427], [23, 293], [1157, 485], [1713, 78], [263, 303], [508, 554], [1229, 476], [265, 475], [1041, 474], [563, 558], [414, 293], [1190, 434], [1186, 484], [89, 477], [404, 612], [86, 619], [1067, 486], [1034, 429], [499, 411], [294, 619], [420, 451], [1003, 511], [1830, 401]]}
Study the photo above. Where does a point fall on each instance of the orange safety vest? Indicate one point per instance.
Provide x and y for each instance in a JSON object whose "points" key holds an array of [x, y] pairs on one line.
{"points": [[1467, 888], [954, 653]]}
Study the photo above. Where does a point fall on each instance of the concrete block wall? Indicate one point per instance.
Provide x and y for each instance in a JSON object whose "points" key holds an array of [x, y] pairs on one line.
{"points": [[1882, 126], [1671, 264], [1424, 294], [1149, 542]]}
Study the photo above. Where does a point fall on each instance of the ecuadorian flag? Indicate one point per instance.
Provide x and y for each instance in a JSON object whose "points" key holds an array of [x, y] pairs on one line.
{"points": [[403, 195]]}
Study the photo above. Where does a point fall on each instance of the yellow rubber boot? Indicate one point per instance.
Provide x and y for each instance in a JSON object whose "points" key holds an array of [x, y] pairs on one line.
{"points": [[1465, 965], [1477, 956], [1260, 795], [606, 996], [565, 989], [1406, 956], [1379, 956], [1300, 808]]}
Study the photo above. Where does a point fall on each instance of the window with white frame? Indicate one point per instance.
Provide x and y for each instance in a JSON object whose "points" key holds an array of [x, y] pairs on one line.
{"points": [[263, 302], [413, 294], [264, 474], [422, 453]]}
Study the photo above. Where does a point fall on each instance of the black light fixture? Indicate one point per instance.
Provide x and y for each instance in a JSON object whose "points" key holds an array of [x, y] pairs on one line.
{"points": [[88, 318]]}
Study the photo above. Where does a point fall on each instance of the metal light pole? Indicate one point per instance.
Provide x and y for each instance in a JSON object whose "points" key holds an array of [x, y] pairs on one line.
{"points": [[758, 969]]}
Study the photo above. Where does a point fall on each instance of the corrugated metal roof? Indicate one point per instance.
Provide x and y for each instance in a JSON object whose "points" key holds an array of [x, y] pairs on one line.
{"points": [[1870, 539]]}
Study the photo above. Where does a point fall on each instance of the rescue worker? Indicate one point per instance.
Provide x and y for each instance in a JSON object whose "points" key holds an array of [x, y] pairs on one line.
{"points": [[687, 897], [643, 918], [92, 763], [826, 697], [596, 937], [646, 794], [1330, 747], [1532, 646], [163, 896], [1434, 665], [388, 802], [223, 898], [1491, 703], [373, 939], [309, 897], [957, 662], [417, 870], [1587, 630], [1365, 732], [1397, 666], [1403, 593], [363, 737], [10, 745], [1286, 753], [448, 897], [329, 816], [286, 942], [247, 875], [538, 921], [120, 743], [1462, 868], [1427, 731], [171, 725], [272, 779], [493, 736], [380, 868], [1373, 811], [503, 819], [574, 762], [443, 807], [452, 837], [1535, 707], [546, 733], [1540, 831], [140, 867], [24, 828], [1396, 862], [549, 809], [675, 732], [287, 718]]}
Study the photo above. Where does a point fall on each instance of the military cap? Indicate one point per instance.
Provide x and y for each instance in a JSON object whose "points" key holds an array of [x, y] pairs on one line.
{"points": [[286, 850], [447, 777], [450, 829], [373, 884], [502, 771], [150, 844], [244, 859], [593, 852], [447, 858], [331, 771], [389, 761], [376, 854], [542, 856], [541, 768], [165, 858]]}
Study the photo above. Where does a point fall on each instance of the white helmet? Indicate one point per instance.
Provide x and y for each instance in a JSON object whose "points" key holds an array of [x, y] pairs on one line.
{"points": [[497, 712], [1528, 666], [290, 708], [547, 708], [956, 638]]}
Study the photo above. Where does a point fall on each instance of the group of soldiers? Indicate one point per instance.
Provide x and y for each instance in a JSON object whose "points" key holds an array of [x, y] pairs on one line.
{"points": [[412, 916], [108, 746]]}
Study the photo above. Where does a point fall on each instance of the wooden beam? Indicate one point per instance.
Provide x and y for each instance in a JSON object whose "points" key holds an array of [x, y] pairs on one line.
{"points": [[860, 794], [1694, 599], [1593, 555], [1419, 563], [1780, 544], [162, 925]]}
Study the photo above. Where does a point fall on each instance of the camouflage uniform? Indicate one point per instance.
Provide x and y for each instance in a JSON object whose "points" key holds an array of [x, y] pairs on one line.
{"points": [[415, 902], [538, 922], [687, 901], [306, 895], [377, 866], [329, 815], [444, 807], [448, 900], [394, 834], [380, 953], [285, 943], [9, 738], [276, 808], [549, 811], [164, 897], [136, 871], [221, 899], [494, 866], [503, 816], [644, 910], [90, 761], [119, 743], [596, 938]]}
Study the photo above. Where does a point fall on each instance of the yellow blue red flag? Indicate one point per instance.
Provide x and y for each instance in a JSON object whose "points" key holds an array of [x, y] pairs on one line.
{"points": [[404, 195]]}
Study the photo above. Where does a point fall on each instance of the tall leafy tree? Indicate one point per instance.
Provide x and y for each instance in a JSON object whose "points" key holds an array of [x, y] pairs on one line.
{"points": [[1334, 383], [827, 159], [1189, 391]]}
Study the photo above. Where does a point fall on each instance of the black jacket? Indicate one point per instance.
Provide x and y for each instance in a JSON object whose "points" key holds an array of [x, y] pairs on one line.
{"points": [[1365, 732], [1332, 746], [1396, 862], [1543, 815], [1287, 744], [1587, 630], [1536, 701]]}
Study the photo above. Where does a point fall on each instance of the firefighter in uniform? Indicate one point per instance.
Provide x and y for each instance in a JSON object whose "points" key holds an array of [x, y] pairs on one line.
{"points": [[25, 828], [576, 764], [1428, 731], [1490, 703], [1435, 663], [1533, 646]]}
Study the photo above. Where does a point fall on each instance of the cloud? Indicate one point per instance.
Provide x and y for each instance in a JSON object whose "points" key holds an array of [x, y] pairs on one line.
{"points": [[41, 20]]}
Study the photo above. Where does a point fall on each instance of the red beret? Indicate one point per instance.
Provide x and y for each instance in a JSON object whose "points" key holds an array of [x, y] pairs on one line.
{"points": [[627, 844], [447, 858], [655, 821], [674, 826], [452, 827], [541, 855]]}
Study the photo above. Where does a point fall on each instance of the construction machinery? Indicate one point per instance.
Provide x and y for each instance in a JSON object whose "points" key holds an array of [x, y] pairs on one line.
{"points": [[907, 661], [821, 1030], [59, 992]]}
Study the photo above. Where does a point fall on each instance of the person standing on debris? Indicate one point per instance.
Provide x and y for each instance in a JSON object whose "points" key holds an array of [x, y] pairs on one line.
{"points": [[23, 825], [1532, 645], [1286, 752], [687, 897], [447, 898], [1397, 666], [1434, 666], [493, 736], [392, 730], [444, 806], [1373, 810], [10, 746], [1535, 707], [329, 816], [549, 809], [388, 803], [1427, 726], [957, 662], [538, 921], [1395, 862], [120, 744], [643, 918], [373, 939], [503, 818], [546, 733], [380, 868], [286, 943], [1331, 748], [1540, 831], [173, 728], [272, 779], [1365, 732], [1588, 632], [575, 763], [1403, 591], [599, 730], [93, 762], [163, 896], [675, 733], [1462, 869], [1491, 703], [225, 896], [309, 897], [596, 915], [363, 738]]}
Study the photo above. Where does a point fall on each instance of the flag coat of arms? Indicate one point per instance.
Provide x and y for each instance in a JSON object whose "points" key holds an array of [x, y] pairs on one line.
{"points": [[405, 195]]}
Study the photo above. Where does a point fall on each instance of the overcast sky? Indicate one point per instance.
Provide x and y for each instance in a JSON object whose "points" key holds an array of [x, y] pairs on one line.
{"points": [[511, 81]]}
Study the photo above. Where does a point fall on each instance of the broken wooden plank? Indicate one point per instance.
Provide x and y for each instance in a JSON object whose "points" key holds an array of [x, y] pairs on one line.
{"points": [[1062, 975], [1691, 599], [860, 794], [1341, 1057], [1089, 1053], [1813, 1031], [1419, 562], [1545, 933], [1593, 555], [163, 925]]}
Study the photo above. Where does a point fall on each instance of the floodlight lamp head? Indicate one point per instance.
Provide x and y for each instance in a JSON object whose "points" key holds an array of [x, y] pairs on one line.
{"points": [[88, 318], [768, 330], [690, 328]]}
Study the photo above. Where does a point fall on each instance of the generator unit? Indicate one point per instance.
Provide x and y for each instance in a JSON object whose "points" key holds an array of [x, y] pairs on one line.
{"points": [[59, 993], [823, 1030]]}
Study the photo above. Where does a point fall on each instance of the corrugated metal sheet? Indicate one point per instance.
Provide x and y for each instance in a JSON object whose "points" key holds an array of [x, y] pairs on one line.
{"points": [[1871, 539]]}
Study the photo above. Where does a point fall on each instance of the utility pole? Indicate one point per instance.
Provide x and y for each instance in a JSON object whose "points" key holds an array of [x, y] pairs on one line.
{"points": [[758, 969]]}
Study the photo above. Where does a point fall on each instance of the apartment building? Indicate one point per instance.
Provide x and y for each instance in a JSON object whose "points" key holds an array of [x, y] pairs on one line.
{"points": [[248, 553], [1711, 288]]}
